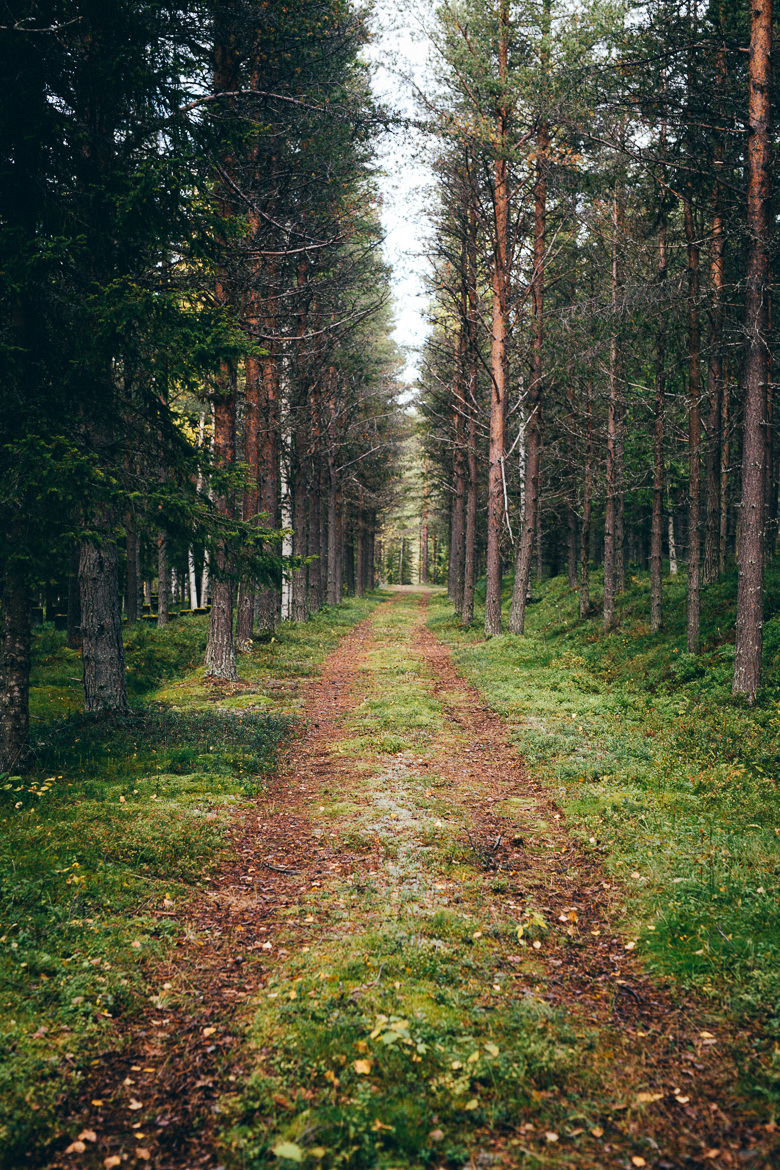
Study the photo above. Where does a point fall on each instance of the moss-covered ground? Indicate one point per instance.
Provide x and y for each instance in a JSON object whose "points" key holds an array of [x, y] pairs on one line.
{"points": [[116, 819]]}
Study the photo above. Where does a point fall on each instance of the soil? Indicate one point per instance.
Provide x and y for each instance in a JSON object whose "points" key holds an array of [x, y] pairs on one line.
{"points": [[153, 1097]]}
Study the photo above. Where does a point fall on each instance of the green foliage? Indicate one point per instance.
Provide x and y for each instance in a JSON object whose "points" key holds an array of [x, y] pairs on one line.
{"points": [[661, 770]]}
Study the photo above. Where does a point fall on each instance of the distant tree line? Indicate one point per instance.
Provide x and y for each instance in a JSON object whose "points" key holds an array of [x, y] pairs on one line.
{"points": [[199, 389]]}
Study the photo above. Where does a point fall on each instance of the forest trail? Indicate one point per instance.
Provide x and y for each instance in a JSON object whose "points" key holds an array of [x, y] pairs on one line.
{"points": [[411, 962]]}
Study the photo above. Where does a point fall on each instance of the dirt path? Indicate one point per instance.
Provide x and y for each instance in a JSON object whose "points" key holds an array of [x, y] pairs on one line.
{"points": [[412, 963]]}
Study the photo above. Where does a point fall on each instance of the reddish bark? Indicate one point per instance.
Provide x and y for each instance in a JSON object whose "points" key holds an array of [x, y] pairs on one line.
{"points": [[750, 590]]}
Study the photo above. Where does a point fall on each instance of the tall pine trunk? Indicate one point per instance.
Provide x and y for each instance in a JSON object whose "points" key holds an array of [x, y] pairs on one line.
{"points": [[533, 435], [694, 426], [220, 649], [750, 590], [105, 685], [498, 358], [613, 424], [469, 552], [656, 530], [15, 628], [587, 505]]}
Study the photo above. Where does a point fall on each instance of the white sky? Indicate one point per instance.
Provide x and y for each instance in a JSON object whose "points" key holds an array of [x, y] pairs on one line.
{"points": [[405, 181]]}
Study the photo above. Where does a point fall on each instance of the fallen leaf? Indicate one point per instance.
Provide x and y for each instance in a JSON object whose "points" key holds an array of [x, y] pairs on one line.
{"points": [[288, 1150], [87, 1135], [142, 1153], [379, 1125], [637, 1161], [135, 1104], [97, 1102], [111, 1161], [76, 1148], [456, 1064], [209, 1031], [363, 1067], [136, 944], [682, 1100], [473, 1058], [331, 1076], [551, 1137], [630, 946], [285, 1102], [597, 1131], [492, 1049], [537, 945], [472, 1104], [710, 1153], [643, 1098], [477, 934], [436, 1135], [707, 1035]]}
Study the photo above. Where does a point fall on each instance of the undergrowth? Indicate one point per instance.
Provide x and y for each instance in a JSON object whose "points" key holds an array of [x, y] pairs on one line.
{"points": [[117, 820], [661, 769]]}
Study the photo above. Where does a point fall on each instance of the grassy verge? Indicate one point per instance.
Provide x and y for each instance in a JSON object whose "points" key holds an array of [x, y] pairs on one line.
{"points": [[674, 779], [115, 821]]}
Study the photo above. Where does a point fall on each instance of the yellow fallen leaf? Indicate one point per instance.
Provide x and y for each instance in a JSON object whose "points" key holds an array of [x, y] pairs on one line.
{"points": [[492, 1049], [97, 1102], [643, 1098], [477, 934], [379, 1125], [537, 945], [76, 1148], [142, 1153], [209, 1031], [363, 1067], [331, 1076], [710, 1153], [707, 1035], [111, 1161], [87, 1135], [682, 1100], [293, 995], [472, 1104], [135, 1104], [288, 1150], [597, 1131], [637, 1161], [551, 1137], [456, 1064], [473, 1058], [630, 946]]}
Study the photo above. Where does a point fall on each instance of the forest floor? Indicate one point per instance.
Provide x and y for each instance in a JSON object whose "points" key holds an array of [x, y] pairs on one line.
{"points": [[412, 955]]}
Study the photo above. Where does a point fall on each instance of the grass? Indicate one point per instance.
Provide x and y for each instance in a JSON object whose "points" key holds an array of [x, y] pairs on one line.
{"points": [[391, 1041], [117, 819], [672, 778]]}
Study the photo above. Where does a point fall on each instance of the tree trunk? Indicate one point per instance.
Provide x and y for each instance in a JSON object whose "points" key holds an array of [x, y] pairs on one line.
{"points": [[252, 403], [333, 531], [725, 470], [469, 566], [74, 600], [220, 650], [571, 493], [750, 590], [656, 532], [500, 310], [163, 583], [132, 574], [613, 422], [15, 672], [694, 426], [533, 434], [315, 541], [587, 505], [714, 392], [105, 685]]}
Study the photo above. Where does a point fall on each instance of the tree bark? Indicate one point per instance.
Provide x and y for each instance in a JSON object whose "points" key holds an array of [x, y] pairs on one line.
{"points": [[694, 427], [656, 531], [571, 492], [500, 310], [587, 505], [533, 434], [74, 600], [725, 470], [469, 566], [750, 590], [613, 422], [220, 649], [246, 604], [105, 685], [15, 672], [133, 574], [163, 581], [714, 391]]}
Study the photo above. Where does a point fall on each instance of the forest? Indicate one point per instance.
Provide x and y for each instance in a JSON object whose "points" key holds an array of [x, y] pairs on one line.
{"points": [[388, 767]]}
